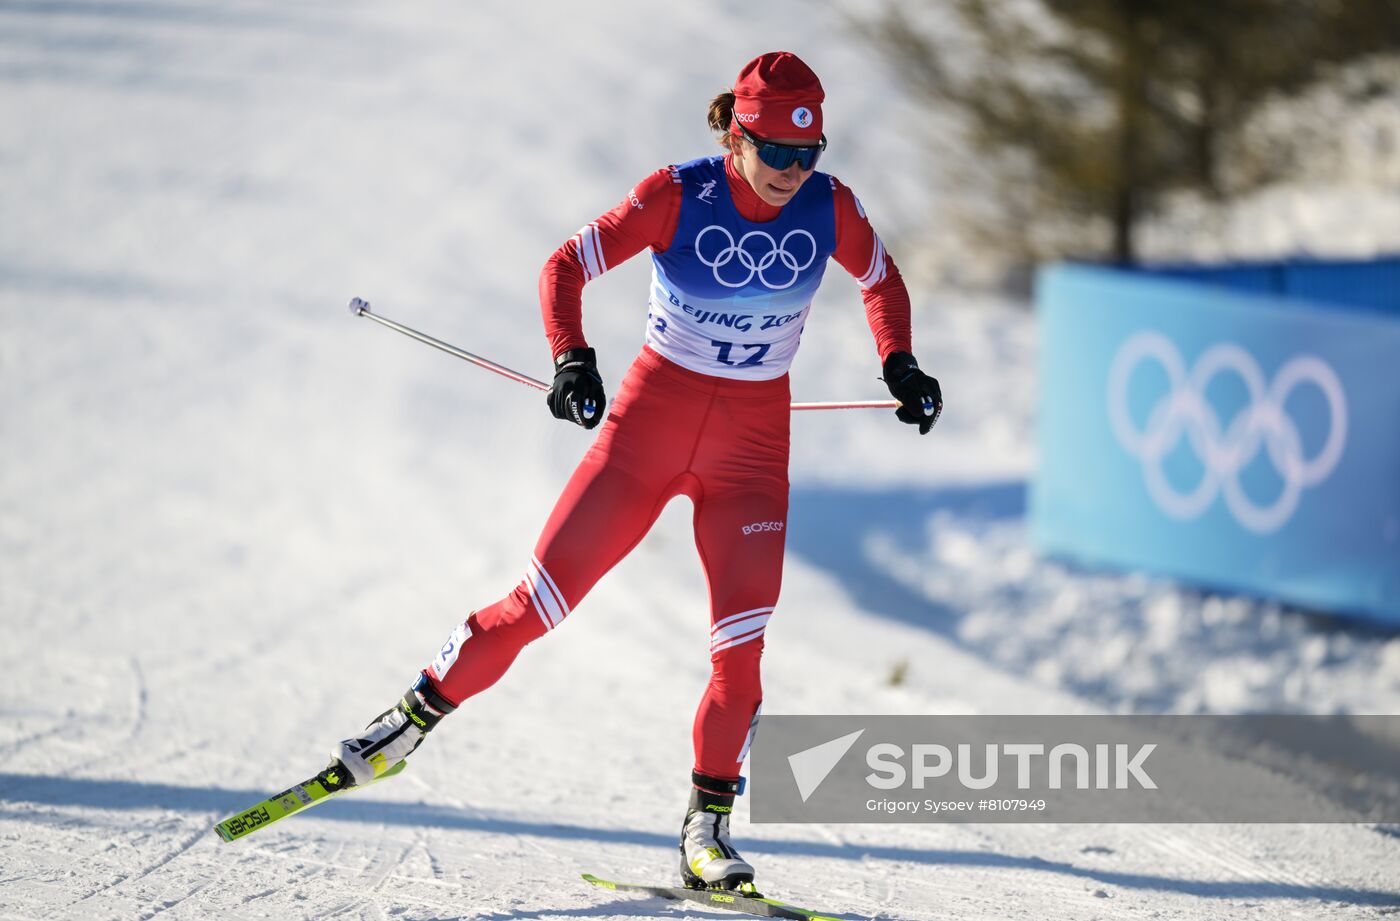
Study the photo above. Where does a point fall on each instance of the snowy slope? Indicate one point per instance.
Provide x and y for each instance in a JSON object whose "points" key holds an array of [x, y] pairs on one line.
{"points": [[234, 521]]}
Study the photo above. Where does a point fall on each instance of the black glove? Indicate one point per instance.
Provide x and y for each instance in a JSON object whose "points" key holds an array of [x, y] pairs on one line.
{"points": [[920, 397], [577, 394]]}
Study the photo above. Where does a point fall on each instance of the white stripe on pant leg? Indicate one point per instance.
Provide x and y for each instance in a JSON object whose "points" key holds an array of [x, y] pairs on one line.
{"points": [[733, 617], [540, 611], [552, 586], [748, 739], [543, 598], [737, 641], [738, 627]]}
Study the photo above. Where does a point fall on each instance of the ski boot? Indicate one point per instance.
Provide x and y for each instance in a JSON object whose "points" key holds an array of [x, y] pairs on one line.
{"points": [[389, 738], [708, 860]]}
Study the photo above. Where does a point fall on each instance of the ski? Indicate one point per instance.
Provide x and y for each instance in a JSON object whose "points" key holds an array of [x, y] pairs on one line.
{"points": [[730, 900], [325, 785]]}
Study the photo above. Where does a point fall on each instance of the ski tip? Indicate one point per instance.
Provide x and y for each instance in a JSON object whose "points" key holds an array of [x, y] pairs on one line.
{"points": [[598, 882]]}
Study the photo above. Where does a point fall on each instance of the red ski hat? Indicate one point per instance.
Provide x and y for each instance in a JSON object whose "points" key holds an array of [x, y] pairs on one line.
{"points": [[777, 96]]}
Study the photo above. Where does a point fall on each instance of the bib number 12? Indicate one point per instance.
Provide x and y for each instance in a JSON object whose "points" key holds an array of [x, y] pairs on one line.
{"points": [[757, 351]]}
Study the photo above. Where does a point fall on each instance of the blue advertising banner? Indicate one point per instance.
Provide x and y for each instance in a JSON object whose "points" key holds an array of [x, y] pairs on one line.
{"points": [[1220, 437]]}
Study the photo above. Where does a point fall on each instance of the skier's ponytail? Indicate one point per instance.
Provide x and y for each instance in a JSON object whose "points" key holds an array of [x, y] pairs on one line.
{"points": [[722, 116]]}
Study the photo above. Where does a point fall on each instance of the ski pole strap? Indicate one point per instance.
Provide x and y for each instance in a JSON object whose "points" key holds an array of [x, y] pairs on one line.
{"points": [[717, 785]]}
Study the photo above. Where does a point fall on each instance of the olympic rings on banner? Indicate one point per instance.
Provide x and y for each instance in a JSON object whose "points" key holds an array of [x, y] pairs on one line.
{"points": [[1184, 411]]}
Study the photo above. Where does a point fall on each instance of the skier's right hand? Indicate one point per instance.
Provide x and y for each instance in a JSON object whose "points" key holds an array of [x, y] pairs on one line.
{"points": [[577, 394]]}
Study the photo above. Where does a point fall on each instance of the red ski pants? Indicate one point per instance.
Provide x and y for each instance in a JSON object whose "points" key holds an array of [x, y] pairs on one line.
{"points": [[723, 443]]}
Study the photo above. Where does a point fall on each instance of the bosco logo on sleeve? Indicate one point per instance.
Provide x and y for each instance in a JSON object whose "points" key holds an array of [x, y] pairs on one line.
{"points": [[760, 526]]}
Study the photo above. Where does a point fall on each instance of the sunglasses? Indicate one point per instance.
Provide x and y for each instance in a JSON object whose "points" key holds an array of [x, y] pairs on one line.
{"points": [[781, 156]]}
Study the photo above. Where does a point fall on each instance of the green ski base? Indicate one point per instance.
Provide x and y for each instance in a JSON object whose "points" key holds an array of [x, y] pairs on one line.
{"points": [[304, 795], [718, 898]]}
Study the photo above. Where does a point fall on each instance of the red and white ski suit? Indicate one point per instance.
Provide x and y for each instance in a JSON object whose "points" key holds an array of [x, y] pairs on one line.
{"points": [[673, 431]]}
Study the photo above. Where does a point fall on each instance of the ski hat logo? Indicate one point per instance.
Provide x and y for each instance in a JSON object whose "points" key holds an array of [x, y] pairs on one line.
{"points": [[802, 116], [1224, 452], [813, 765]]}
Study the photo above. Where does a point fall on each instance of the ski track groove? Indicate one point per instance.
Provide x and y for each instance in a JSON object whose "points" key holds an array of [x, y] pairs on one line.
{"points": [[433, 863], [183, 898], [522, 840], [67, 854], [331, 866], [1060, 896], [221, 870], [289, 869], [183, 847], [317, 869], [1219, 859], [255, 896], [379, 869]]}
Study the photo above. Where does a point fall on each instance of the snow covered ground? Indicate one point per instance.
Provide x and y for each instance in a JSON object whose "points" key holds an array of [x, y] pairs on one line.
{"points": [[234, 521]]}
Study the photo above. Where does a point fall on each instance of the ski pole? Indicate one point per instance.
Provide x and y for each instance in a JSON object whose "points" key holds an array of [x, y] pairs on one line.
{"points": [[860, 404], [360, 308]]}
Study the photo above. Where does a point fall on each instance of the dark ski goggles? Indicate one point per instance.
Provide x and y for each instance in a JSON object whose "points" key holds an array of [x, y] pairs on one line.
{"points": [[781, 156]]}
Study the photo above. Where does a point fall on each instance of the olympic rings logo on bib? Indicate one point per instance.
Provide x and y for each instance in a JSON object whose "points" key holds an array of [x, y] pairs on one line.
{"points": [[757, 254], [1185, 412]]}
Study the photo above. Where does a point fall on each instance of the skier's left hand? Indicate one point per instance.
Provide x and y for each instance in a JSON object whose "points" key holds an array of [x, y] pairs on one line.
{"points": [[920, 398]]}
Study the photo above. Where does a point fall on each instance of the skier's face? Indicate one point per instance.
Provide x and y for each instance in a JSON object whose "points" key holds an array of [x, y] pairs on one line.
{"points": [[776, 187]]}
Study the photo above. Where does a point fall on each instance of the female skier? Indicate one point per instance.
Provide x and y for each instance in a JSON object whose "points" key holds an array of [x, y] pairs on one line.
{"points": [[739, 243]]}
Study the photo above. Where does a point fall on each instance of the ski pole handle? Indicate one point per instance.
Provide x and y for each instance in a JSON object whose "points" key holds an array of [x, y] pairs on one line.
{"points": [[360, 308]]}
